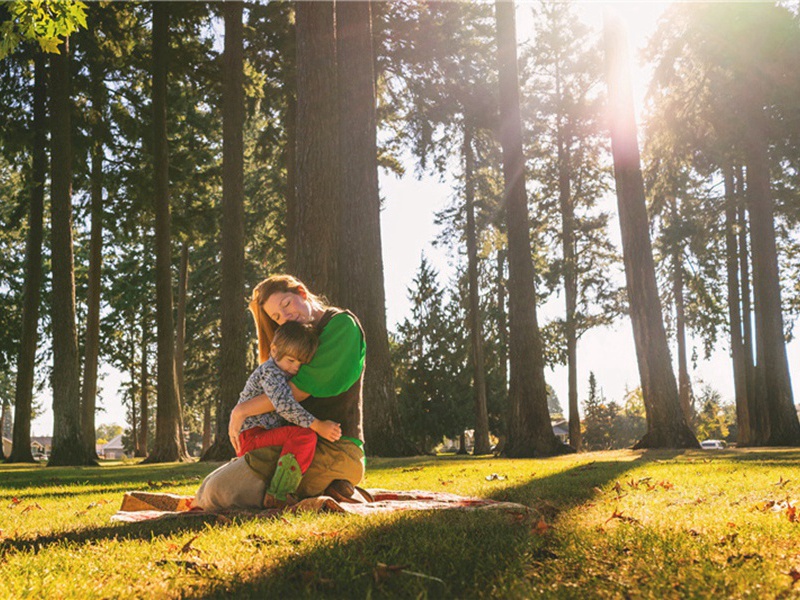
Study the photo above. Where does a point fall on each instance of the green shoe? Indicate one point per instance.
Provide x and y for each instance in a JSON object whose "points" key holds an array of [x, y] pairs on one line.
{"points": [[286, 479]]}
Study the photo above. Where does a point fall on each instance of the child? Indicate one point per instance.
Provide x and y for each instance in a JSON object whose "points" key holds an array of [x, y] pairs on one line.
{"points": [[293, 345]]}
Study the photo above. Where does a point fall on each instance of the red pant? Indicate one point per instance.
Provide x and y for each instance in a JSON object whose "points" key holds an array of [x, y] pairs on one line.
{"points": [[300, 441]]}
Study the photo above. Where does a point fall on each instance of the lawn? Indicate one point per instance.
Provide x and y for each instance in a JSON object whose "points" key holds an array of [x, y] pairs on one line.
{"points": [[622, 524]]}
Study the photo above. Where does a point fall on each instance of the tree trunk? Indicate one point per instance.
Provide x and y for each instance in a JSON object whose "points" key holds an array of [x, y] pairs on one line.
{"points": [[167, 446], [315, 240], [759, 426], [233, 345], [134, 393], [360, 265], [206, 429], [26, 359], [530, 431], [666, 424], [92, 344], [734, 313], [502, 324], [570, 278], [68, 447], [144, 411], [482, 445], [180, 323], [684, 385], [773, 379]]}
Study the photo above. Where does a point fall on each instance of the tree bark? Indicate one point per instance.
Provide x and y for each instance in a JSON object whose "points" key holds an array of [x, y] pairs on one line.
{"points": [[734, 312], [684, 385], [530, 431], [168, 445], [666, 424], [570, 277], [482, 445], [360, 264], [144, 402], [316, 242], [759, 426], [92, 343], [31, 295], [68, 447], [206, 428], [502, 324], [233, 345], [773, 379]]}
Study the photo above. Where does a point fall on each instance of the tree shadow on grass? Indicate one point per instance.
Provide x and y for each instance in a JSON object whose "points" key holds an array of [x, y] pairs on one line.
{"points": [[448, 553]]}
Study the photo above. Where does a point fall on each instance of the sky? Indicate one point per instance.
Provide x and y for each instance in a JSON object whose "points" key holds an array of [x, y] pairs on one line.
{"points": [[408, 229]]}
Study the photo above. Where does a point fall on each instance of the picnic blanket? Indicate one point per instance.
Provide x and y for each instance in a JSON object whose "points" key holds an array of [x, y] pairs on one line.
{"points": [[145, 506]]}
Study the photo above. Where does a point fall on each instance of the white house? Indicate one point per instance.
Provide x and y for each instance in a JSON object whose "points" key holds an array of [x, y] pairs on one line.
{"points": [[113, 449]]}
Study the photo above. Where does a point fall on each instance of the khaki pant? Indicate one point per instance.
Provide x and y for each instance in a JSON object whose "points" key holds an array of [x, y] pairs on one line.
{"points": [[242, 482]]}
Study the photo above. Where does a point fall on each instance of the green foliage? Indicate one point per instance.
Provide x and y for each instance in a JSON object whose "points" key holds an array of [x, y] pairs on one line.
{"points": [[607, 425], [430, 359], [48, 22], [715, 420]]}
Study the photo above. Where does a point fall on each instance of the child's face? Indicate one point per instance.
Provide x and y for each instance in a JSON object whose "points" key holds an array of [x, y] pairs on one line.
{"points": [[287, 363]]}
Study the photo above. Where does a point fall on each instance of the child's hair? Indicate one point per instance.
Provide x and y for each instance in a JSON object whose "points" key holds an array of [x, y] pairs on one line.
{"points": [[298, 340], [265, 327]]}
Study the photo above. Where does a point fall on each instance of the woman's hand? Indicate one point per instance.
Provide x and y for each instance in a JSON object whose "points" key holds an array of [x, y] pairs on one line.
{"points": [[329, 430], [234, 426]]}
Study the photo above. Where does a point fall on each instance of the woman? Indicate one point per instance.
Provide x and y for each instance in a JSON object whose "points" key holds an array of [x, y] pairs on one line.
{"points": [[330, 387]]}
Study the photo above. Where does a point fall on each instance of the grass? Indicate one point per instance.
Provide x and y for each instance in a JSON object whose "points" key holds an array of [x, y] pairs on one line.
{"points": [[622, 524]]}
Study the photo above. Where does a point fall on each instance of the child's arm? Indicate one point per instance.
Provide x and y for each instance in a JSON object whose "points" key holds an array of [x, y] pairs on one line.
{"points": [[276, 387]]}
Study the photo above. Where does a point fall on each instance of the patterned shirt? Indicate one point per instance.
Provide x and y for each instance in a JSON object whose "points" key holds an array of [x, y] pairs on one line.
{"points": [[271, 380]]}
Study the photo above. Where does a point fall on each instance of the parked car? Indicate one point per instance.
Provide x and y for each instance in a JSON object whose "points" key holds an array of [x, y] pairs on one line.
{"points": [[713, 445]]}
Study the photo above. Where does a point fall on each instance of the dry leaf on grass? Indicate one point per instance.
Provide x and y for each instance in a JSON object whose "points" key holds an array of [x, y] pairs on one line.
{"points": [[620, 516], [541, 527]]}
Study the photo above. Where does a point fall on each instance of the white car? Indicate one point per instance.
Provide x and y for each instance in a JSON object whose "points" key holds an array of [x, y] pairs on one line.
{"points": [[712, 445]]}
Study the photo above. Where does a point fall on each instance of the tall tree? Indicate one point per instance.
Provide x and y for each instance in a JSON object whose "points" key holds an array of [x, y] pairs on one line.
{"points": [[530, 432], [481, 434], [168, 443], [26, 359], [232, 341], [315, 242], [565, 103], [68, 448], [360, 266], [666, 424], [92, 341]]}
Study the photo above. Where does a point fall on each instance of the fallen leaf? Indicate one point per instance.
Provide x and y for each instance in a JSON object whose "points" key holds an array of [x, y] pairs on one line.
{"points": [[14, 502], [80, 513], [223, 519], [34, 506], [411, 469], [622, 517], [187, 547], [541, 527], [782, 482], [326, 533], [791, 513], [382, 572], [617, 488], [666, 485], [728, 539], [794, 573], [597, 490]]}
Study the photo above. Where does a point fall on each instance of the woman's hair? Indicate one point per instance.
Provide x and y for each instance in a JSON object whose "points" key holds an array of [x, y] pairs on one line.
{"points": [[265, 326], [298, 340]]}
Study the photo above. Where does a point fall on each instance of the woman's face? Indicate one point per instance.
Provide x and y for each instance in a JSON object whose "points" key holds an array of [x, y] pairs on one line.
{"points": [[287, 306]]}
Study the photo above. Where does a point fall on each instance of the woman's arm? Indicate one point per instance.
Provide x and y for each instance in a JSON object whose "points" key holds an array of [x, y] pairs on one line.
{"points": [[254, 406]]}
